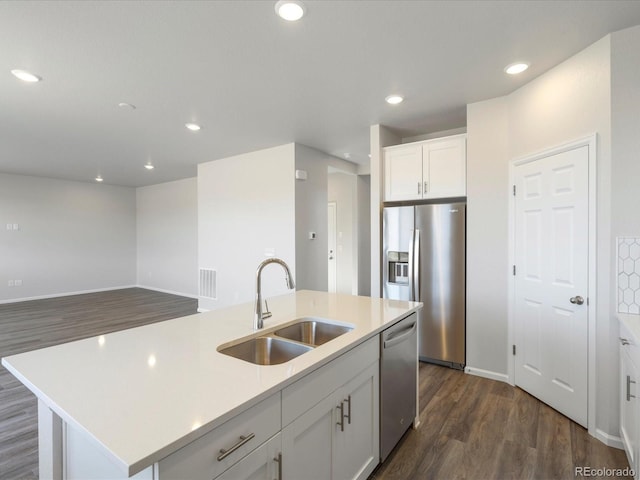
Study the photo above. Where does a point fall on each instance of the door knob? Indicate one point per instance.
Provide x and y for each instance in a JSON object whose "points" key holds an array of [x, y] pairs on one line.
{"points": [[577, 300]]}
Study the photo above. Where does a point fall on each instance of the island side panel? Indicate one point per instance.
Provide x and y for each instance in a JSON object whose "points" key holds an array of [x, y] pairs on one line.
{"points": [[49, 443]]}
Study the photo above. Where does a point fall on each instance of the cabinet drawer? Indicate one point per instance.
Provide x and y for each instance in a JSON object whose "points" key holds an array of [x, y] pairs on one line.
{"points": [[308, 391], [199, 459]]}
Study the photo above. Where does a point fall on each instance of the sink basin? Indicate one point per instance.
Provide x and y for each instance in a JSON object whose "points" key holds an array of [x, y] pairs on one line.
{"points": [[312, 332], [266, 350]]}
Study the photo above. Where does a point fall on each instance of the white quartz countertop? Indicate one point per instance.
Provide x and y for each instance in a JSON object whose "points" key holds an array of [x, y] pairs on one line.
{"points": [[145, 392], [632, 322]]}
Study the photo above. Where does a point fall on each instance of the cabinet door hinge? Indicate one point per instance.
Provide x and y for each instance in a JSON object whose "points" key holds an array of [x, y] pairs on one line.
{"points": [[514, 270], [514, 349]]}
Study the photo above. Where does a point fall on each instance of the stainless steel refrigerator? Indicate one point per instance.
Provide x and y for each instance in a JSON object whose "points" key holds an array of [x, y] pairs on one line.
{"points": [[424, 257]]}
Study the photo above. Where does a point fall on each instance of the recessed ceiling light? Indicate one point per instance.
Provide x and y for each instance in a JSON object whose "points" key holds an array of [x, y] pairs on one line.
{"points": [[127, 105], [26, 76], [99, 179], [290, 10], [194, 127], [394, 99], [149, 166], [516, 68]]}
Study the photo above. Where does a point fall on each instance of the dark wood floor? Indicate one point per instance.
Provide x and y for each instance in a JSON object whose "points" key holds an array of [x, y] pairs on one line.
{"points": [[36, 324], [474, 428]]}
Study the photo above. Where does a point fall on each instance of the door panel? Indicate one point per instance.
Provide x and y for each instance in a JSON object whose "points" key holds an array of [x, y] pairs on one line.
{"points": [[551, 253]]}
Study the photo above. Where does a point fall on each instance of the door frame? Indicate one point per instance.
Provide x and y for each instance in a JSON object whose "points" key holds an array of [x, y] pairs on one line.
{"points": [[590, 142], [333, 204]]}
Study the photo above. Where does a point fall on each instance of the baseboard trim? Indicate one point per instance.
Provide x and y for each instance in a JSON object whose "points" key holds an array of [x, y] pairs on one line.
{"points": [[609, 440], [203, 310], [479, 372], [172, 292], [65, 294]]}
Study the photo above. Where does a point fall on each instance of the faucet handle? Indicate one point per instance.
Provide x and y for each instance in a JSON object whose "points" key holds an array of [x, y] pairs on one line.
{"points": [[266, 313]]}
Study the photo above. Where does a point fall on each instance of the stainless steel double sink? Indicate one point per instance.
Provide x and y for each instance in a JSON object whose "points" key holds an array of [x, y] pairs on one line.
{"points": [[286, 343]]}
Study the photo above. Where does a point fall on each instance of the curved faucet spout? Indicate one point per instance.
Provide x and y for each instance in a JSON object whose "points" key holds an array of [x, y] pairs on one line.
{"points": [[258, 319]]}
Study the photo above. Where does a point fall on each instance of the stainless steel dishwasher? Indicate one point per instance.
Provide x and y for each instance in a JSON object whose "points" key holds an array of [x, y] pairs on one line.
{"points": [[398, 381]]}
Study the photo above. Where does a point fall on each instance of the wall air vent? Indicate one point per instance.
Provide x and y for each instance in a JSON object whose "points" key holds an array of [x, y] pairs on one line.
{"points": [[208, 286]]}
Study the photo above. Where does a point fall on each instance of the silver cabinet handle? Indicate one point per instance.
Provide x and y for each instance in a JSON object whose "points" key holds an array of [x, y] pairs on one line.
{"points": [[416, 266], [629, 382], [341, 422], [400, 336], [411, 265], [624, 341], [577, 300], [278, 459], [348, 415], [426, 187], [243, 439], [418, 188]]}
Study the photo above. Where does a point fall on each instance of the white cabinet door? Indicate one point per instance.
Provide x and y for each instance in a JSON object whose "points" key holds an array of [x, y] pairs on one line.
{"points": [[335, 440], [403, 173], [357, 449], [444, 168], [629, 415], [261, 464], [307, 443]]}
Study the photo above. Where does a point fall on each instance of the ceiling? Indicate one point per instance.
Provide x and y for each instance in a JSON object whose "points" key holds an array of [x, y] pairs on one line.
{"points": [[253, 80]]}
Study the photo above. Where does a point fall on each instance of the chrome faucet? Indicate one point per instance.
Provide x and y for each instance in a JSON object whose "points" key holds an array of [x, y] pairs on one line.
{"points": [[258, 319]]}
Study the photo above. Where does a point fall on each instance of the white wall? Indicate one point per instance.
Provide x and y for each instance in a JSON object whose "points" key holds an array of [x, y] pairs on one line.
{"points": [[625, 121], [625, 161], [570, 101], [487, 240], [379, 137], [342, 190], [72, 236], [364, 234], [311, 216], [246, 204], [167, 237]]}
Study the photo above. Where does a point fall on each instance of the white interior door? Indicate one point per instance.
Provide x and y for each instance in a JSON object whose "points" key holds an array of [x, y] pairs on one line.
{"points": [[331, 257], [551, 280]]}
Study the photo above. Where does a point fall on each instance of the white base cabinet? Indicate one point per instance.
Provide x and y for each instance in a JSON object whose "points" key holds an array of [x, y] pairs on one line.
{"points": [[426, 170], [629, 402], [338, 437]]}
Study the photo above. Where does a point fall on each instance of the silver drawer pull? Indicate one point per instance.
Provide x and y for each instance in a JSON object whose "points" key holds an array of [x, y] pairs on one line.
{"points": [[243, 439], [624, 341], [348, 415], [629, 382], [278, 459]]}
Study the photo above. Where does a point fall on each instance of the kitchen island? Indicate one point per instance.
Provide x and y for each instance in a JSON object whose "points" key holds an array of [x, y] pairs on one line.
{"points": [[153, 401]]}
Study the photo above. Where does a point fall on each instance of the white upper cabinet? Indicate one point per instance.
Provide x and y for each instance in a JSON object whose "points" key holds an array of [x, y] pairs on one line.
{"points": [[403, 172], [424, 170]]}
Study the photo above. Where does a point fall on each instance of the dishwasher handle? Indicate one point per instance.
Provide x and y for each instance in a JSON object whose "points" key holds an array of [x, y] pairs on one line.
{"points": [[401, 336]]}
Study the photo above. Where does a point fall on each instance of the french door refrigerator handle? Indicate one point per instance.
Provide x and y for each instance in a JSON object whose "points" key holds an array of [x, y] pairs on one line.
{"points": [[416, 266], [411, 265]]}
